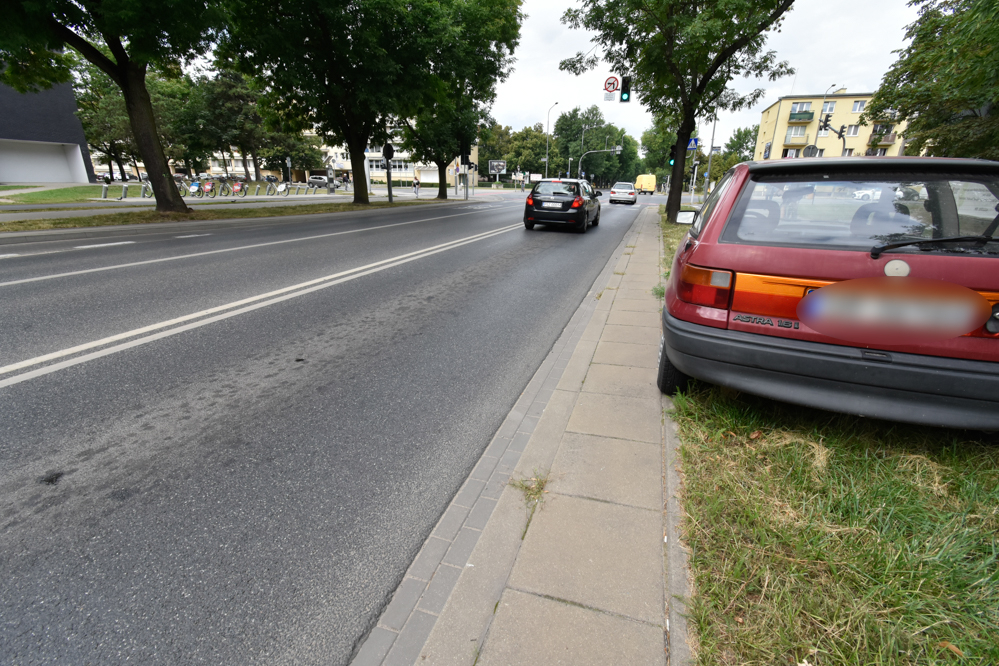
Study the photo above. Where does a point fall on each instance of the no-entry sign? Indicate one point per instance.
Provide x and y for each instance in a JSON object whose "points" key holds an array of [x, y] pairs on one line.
{"points": [[612, 84]]}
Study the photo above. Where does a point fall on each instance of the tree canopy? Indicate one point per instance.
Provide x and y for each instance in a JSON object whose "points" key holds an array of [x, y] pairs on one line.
{"points": [[682, 55], [945, 84], [743, 142], [122, 38]]}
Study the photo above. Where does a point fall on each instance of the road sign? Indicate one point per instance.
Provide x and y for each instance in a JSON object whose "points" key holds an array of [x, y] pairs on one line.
{"points": [[609, 96], [810, 151], [388, 151], [611, 84], [497, 167], [692, 144], [536, 177]]}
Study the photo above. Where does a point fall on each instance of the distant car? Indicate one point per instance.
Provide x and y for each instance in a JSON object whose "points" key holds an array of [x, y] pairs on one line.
{"points": [[886, 307], [646, 184], [271, 179], [625, 192], [563, 201], [318, 181]]}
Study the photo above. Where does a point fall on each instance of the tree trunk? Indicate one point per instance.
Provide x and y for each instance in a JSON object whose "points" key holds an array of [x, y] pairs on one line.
{"points": [[118, 160], [246, 167], [442, 179], [356, 146], [673, 202], [147, 138], [256, 167]]}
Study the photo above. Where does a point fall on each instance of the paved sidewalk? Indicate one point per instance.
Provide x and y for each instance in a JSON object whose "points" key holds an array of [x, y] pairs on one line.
{"points": [[593, 574]]}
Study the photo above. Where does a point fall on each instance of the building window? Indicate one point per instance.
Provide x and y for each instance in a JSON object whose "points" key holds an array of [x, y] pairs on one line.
{"points": [[882, 129], [822, 152], [791, 152], [822, 132], [859, 105], [798, 107], [828, 107], [848, 152], [853, 130], [795, 130], [881, 152]]}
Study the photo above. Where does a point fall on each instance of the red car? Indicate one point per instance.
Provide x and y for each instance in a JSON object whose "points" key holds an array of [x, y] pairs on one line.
{"points": [[790, 287]]}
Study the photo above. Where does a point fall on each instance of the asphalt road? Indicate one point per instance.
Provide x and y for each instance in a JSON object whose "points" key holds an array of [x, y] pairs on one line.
{"points": [[258, 427]]}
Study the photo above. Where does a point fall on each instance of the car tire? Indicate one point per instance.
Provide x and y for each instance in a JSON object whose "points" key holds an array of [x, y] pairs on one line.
{"points": [[668, 378], [581, 227], [528, 225], [596, 220], [865, 198]]}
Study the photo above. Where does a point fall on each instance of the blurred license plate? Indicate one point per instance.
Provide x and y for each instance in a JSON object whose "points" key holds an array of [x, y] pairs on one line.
{"points": [[551, 204]]}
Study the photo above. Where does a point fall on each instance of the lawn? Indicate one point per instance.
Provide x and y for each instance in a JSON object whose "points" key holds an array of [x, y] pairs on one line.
{"points": [[77, 194], [5, 188], [819, 538], [149, 216]]}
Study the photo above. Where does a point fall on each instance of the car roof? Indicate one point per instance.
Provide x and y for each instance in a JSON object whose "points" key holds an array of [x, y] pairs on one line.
{"points": [[830, 165]]}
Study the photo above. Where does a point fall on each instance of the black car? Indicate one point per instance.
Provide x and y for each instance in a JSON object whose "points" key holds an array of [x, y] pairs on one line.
{"points": [[564, 201]]}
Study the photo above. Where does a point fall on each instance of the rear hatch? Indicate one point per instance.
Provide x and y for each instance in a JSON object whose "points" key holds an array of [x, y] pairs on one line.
{"points": [[554, 196], [789, 235]]}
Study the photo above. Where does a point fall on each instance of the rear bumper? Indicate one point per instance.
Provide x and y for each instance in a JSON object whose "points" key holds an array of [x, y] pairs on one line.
{"points": [[573, 216], [929, 390]]}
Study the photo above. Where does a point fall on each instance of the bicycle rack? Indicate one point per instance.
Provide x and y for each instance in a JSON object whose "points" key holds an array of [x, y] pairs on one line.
{"points": [[104, 191], [257, 191]]}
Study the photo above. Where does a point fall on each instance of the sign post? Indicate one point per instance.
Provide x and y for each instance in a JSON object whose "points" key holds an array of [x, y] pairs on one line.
{"points": [[388, 152]]}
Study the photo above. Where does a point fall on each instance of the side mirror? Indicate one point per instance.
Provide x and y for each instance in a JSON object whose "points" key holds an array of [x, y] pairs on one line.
{"points": [[599, 193], [686, 217]]}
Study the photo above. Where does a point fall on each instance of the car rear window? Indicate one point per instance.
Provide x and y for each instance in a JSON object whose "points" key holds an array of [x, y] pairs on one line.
{"points": [[623, 186], [555, 187], [858, 212]]}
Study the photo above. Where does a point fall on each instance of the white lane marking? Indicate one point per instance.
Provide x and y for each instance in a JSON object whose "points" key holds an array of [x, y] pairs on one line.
{"points": [[5, 256], [86, 247], [192, 236], [231, 249], [280, 294]]}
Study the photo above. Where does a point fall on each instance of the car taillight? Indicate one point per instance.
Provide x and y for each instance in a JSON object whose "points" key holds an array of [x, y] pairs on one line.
{"points": [[631, 193], [530, 201], [577, 202], [703, 286]]}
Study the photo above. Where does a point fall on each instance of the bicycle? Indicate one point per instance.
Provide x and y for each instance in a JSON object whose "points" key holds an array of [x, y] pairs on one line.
{"points": [[209, 189], [194, 187], [281, 189], [237, 189]]}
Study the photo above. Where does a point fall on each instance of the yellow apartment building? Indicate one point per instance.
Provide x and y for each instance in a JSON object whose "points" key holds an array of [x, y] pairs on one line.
{"points": [[791, 124]]}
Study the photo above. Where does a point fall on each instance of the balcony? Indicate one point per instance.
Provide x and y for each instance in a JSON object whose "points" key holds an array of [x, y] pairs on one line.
{"points": [[790, 140], [882, 139], [801, 117]]}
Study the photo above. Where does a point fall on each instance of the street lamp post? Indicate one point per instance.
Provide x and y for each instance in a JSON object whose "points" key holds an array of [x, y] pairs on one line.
{"points": [[547, 125]]}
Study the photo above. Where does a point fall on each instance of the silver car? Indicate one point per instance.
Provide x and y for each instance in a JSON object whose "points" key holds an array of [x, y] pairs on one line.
{"points": [[623, 192]]}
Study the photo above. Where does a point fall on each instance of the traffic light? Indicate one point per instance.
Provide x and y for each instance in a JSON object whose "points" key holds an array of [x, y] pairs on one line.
{"points": [[672, 155], [625, 88], [824, 125]]}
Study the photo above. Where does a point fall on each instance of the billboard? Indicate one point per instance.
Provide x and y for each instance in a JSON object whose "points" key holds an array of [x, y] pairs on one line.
{"points": [[497, 167]]}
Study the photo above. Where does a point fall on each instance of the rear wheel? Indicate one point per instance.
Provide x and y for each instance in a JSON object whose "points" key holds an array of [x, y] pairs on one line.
{"points": [[581, 227], [668, 378], [528, 225]]}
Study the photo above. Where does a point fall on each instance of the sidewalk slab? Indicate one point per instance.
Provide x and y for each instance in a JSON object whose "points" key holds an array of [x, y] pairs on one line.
{"points": [[626, 353], [617, 471], [638, 419], [622, 380], [531, 631]]}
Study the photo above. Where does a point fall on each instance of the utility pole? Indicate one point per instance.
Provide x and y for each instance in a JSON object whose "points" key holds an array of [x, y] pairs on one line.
{"points": [[693, 182], [711, 153], [547, 125]]}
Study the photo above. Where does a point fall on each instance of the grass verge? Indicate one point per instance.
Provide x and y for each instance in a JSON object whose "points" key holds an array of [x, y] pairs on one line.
{"points": [[79, 194], [819, 538], [5, 188], [198, 214], [837, 540]]}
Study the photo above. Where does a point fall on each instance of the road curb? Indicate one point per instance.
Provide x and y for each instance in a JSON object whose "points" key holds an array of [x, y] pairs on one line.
{"points": [[17, 237]]}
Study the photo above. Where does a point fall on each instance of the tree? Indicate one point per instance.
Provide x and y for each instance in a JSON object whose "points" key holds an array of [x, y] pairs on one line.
{"points": [[122, 38], [946, 82], [743, 142], [341, 69], [474, 56], [279, 146], [494, 141], [527, 150], [101, 109], [682, 55]]}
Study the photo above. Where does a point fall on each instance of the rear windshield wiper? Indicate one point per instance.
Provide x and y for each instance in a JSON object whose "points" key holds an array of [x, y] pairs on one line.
{"points": [[980, 241]]}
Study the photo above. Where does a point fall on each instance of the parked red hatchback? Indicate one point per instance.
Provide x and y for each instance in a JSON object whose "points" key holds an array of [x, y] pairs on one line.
{"points": [[791, 287]]}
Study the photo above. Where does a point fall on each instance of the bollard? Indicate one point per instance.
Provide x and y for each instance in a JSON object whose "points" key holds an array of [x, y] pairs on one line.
{"points": [[124, 191], [257, 191], [104, 191], [297, 190]]}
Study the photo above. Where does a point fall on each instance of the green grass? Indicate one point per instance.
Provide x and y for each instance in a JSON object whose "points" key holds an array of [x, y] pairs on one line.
{"points": [[837, 539], [68, 194], [149, 216], [4, 188]]}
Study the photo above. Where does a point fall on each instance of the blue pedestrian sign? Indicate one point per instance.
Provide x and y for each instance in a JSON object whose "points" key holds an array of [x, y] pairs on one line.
{"points": [[692, 144]]}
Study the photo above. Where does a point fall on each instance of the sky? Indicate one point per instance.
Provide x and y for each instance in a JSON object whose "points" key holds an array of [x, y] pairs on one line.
{"points": [[848, 43]]}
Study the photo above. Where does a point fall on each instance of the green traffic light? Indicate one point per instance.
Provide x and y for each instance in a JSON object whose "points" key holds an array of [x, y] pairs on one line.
{"points": [[671, 161]]}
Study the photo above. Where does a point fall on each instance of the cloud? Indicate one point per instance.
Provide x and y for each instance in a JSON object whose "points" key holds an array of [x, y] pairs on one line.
{"points": [[849, 43]]}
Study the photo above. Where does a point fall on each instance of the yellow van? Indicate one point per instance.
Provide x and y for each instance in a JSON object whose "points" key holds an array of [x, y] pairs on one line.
{"points": [[646, 183]]}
